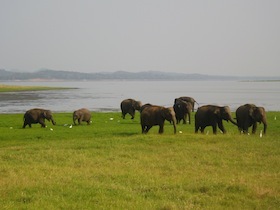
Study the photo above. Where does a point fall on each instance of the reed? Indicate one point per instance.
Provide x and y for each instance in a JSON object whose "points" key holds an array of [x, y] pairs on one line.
{"points": [[111, 165]]}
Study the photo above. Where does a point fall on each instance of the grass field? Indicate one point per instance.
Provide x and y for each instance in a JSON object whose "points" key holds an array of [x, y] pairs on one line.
{"points": [[111, 165], [15, 88]]}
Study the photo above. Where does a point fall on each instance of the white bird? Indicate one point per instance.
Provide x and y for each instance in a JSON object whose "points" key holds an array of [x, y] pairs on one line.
{"points": [[70, 126], [275, 118], [111, 118], [261, 134], [180, 132], [51, 129]]}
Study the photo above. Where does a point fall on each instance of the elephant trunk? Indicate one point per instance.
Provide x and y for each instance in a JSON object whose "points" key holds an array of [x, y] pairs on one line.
{"points": [[53, 122], [264, 126], [74, 119], [231, 120]]}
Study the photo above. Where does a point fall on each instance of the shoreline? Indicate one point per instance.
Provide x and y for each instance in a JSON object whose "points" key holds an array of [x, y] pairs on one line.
{"points": [[18, 88]]}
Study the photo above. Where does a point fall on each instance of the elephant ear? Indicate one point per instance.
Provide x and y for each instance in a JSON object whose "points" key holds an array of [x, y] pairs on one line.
{"points": [[134, 104], [251, 111], [165, 112], [44, 114], [217, 112]]}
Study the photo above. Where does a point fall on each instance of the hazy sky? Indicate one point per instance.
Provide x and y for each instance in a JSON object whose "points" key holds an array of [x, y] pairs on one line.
{"points": [[225, 37]]}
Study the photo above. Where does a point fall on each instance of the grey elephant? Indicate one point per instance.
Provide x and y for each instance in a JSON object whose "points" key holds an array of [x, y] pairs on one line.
{"points": [[190, 100], [249, 115], [156, 115], [37, 115], [211, 115], [182, 110], [129, 106], [81, 115]]}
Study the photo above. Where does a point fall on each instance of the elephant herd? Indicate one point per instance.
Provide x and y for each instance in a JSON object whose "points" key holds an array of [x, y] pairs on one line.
{"points": [[150, 115], [208, 115]]}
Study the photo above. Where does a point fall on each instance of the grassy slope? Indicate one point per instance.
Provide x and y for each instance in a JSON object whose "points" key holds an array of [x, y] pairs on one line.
{"points": [[111, 165]]}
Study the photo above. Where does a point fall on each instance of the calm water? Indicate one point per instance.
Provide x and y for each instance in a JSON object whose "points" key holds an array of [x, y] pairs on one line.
{"points": [[107, 95]]}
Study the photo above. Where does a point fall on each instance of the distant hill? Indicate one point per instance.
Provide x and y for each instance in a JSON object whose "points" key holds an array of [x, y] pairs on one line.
{"points": [[47, 74]]}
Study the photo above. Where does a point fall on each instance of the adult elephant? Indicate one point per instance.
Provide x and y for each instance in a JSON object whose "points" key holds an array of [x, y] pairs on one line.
{"points": [[36, 115], [129, 106], [211, 115], [190, 100], [156, 115], [144, 106], [81, 115], [249, 115], [182, 110]]}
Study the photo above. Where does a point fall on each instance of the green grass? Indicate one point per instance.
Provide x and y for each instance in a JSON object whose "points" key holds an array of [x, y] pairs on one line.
{"points": [[15, 88], [111, 165]]}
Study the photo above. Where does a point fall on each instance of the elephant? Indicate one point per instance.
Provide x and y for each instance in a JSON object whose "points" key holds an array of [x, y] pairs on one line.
{"points": [[190, 100], [211, 115], [129, 106], [81, 115], [182, 109], [156, 115], [144, 106], [37, 115], [248, 115]]}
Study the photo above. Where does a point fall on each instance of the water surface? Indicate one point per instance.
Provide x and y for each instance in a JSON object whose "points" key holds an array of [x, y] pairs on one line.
{"points": [[107, 95]]}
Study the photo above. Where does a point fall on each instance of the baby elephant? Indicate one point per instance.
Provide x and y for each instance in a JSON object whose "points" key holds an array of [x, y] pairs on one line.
{"points": [[34, 116], [156, 115], [249, 115], [81, 115], [129, 106]]}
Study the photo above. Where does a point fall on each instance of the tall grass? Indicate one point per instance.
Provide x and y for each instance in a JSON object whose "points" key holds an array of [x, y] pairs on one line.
{"points": [[111, 165]]}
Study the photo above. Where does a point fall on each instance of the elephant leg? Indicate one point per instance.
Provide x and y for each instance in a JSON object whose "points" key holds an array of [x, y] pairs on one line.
{"points": [[246, 130], [88, 122], [123, 115], [160, 129], [196, 129], [221, 126], [214, 127], [132, 113], [254, 128], [202, 129], [148, 128], [24, 124], [177, 120], [240, 130], [43, 125], [184, 119], [189, 116], [143, 128]]}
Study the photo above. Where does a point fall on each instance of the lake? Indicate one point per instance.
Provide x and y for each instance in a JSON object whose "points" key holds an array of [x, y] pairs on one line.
{"points": [[107, 95]]}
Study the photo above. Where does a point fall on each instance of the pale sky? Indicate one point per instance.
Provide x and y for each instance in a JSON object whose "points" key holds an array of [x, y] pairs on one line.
{"points": [[216, 37]]}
